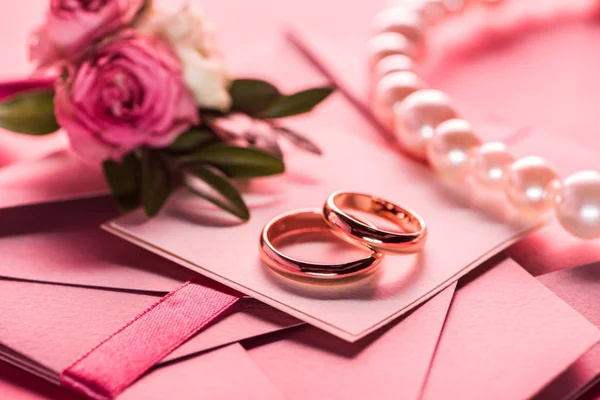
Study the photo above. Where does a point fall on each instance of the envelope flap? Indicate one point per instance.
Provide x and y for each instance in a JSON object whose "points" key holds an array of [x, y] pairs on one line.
{"points": [[56, 177], [62, 243]]}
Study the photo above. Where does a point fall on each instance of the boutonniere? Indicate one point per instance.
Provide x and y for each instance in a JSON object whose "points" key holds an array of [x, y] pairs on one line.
{"points": [[147, 94]]}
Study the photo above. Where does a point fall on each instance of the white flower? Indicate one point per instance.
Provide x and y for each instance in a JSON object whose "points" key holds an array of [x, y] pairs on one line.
{"points": [[191, 38]]}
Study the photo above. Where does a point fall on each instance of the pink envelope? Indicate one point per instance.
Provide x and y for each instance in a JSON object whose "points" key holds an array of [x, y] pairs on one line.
{"points": [[61, 268], [580, 288], [490, 346], [226, 373]]}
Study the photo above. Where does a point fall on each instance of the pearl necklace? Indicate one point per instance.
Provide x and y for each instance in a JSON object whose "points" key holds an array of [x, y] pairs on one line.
{"points": [[427, 126]]}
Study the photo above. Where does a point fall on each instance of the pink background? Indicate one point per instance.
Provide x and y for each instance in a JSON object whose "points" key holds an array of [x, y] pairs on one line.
{"points": [[563, 99]]}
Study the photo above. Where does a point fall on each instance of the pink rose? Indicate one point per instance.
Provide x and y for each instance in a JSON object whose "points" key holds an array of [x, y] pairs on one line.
{"points": [[128, 93], [72, 26]]}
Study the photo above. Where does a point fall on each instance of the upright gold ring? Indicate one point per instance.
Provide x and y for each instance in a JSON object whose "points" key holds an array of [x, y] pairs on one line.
{"points": [[307, 221], [413, 233]]}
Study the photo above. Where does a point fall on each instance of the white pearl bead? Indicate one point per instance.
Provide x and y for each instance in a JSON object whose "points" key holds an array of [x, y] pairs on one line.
{"points": [[401, 20], [531, 186], [391, 89], [578, 204], [416, 118], [452, 148], [390, 64], [432, 11], [456, 6], [387, 44], [492, 161]]}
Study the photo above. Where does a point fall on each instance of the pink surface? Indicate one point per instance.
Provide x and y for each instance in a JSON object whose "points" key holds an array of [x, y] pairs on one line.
{"points": [[391, 364], [145, 340], [580, 288], [506, 336], [363, 163], [544, 77]]}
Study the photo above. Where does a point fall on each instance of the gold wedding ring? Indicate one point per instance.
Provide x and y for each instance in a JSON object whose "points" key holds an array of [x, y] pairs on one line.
{"points": [[410, 240], [334, 218], [307, 221]]}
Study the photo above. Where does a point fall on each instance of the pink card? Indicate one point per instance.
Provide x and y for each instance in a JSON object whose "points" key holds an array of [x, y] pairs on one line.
{"points": [[580, 288], [61, 323], [17, 384], [225, 373], [55, 177], [506, 336], [391, 364], [364, 163], [489, 347]]}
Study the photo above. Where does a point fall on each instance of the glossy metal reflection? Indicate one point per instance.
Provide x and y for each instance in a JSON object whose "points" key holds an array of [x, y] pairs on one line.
{"points": [[413, 233], [307, 222]]}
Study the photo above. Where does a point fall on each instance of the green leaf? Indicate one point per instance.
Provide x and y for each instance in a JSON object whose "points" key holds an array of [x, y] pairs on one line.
{"points": [[239, 162], [230, 200], [250, 96], [30, 112], [192, 139], [299, 103], [298, 140], [156, 182], [124, 181]]}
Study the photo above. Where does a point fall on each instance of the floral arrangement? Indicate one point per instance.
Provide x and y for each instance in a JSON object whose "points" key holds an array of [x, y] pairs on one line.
{"points": [[146, 93]]}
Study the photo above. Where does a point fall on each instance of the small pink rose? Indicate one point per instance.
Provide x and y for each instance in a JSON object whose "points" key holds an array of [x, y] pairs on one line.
{"points": [[72, 26], [128, 93]]}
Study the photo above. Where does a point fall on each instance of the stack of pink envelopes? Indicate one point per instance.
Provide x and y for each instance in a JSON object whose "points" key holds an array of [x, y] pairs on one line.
{"points": [[101, 305]]}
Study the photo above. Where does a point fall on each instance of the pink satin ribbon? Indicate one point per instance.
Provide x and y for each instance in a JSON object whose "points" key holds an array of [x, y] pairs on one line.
{"points": [[115, 363]]}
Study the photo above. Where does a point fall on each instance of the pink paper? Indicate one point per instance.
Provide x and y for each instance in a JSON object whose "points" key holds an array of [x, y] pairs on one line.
{"points": [[506, 336], [580, 288], [16, 384], [490, 347], [146, 339], [54, 325], [61, 323], [227, 373], [389, 365], [37, 244], [223, 374], [59, 176], [363, 163], [44, 252]]}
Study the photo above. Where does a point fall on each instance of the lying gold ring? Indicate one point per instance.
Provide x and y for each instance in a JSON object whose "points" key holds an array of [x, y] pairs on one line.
{"points": [[307, 221], [410, 240]]}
